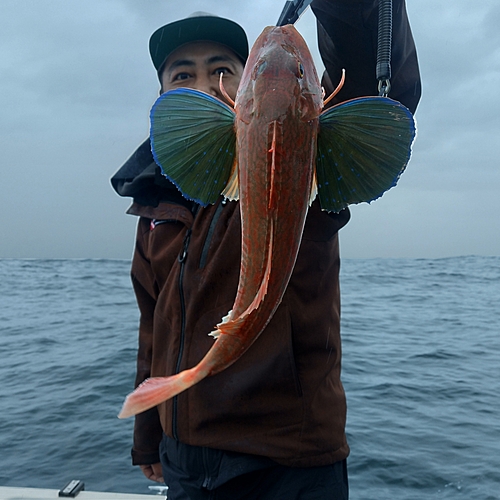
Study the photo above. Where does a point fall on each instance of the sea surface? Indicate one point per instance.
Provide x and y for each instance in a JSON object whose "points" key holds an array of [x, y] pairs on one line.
{"points": [[421, 368]]}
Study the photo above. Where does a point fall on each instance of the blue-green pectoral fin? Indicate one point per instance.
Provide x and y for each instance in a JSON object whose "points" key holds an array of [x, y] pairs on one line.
{"points": [[194, 143], [364, 146]]}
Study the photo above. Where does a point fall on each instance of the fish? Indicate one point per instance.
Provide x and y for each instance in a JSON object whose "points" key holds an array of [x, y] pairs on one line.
{"points": [[275, 152]]}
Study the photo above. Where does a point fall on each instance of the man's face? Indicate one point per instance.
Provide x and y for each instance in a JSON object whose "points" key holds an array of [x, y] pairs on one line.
{"points": [[198, 65]]}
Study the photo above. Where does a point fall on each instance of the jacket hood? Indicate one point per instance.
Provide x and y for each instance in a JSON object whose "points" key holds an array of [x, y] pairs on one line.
{"points": [[140, 178]]}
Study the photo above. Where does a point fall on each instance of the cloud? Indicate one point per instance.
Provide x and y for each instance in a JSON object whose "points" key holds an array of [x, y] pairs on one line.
{"points": [[76, 86], [458, 117]]}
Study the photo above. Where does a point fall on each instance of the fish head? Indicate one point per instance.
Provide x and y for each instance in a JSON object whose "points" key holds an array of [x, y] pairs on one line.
{"points": [[279, 78]]}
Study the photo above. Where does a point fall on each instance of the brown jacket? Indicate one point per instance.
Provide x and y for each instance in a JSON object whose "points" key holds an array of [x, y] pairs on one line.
{"points": [[283, 398]]}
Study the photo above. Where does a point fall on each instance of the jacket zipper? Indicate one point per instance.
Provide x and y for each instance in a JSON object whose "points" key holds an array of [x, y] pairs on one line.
{"points": [[157, 222], [182, 261], [210, 233]]}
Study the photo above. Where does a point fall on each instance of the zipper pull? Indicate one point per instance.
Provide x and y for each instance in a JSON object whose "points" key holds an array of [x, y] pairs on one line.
{"points": [[183, 255]]}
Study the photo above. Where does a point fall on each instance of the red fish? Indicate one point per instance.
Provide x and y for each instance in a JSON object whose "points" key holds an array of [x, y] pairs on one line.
{"points": [[275, 152]]}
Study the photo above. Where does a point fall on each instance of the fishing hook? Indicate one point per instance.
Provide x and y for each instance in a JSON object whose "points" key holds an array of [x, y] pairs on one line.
{"points": [[223, 90]]}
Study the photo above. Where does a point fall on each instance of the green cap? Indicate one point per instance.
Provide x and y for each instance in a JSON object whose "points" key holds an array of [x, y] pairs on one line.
{"points": [[197, 27]]}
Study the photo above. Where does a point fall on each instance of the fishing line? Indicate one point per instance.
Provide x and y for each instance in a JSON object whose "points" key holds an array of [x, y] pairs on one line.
{"points": [[384, 43]]}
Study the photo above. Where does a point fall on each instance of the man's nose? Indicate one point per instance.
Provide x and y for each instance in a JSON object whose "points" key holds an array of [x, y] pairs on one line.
{"points": [[208, 85]]}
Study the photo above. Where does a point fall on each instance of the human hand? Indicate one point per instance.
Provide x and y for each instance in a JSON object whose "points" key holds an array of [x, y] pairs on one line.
{"points": [[153, 472]]}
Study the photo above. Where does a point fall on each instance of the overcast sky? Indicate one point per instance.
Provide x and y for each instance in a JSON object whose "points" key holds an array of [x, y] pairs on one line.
{"points": [[76, 86]]}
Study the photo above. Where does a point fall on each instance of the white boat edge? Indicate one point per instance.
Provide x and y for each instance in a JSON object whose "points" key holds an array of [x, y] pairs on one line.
{"points": [[15, 493]]}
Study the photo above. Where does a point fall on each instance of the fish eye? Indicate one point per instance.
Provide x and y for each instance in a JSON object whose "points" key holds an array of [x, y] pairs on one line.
{"points": [[301, 70]]}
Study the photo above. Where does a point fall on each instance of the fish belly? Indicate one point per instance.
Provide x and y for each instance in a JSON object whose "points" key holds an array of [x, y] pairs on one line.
{"points": [[275, 175]]}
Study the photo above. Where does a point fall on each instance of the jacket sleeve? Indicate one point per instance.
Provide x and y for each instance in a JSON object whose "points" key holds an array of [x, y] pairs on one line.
{"points": [[147, 427], [347, 39]]}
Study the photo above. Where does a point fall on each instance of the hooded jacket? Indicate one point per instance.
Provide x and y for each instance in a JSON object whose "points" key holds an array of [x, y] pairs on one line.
{"points": [[283, 399]]}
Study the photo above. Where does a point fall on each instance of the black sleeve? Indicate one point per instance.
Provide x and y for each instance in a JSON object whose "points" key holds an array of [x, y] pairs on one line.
{"points": [[347, 38]]}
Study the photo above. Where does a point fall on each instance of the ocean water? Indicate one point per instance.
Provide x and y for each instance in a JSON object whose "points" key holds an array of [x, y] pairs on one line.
{"points": [[421, 368]]}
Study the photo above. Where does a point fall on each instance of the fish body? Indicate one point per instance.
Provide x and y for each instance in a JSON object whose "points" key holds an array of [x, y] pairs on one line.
{"points": [[277, 108], [277, 116], [270, 155]]}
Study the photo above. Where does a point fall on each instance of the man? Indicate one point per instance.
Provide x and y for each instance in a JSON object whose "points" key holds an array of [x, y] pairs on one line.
{"points": [[272, 425]]}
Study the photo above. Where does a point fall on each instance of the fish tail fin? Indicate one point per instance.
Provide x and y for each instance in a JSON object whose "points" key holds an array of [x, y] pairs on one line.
{"points": [[154, 391]]}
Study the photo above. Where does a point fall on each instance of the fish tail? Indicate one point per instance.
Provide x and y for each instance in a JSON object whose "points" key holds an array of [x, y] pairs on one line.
{"points": [[154, 391]]}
